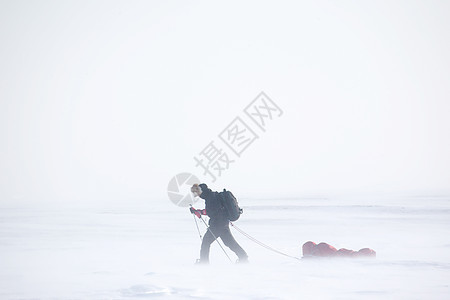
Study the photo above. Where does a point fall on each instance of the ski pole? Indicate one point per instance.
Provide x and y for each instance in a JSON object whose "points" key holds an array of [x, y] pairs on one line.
{"points": [[196, 224]]}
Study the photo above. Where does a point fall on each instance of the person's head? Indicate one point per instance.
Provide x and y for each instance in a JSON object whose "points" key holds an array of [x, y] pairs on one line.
{"points": [[196, 190], [201, 190]]}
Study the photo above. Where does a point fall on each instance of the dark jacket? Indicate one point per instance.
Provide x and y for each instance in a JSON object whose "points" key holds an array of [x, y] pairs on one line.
{"points": [[214, 208]]}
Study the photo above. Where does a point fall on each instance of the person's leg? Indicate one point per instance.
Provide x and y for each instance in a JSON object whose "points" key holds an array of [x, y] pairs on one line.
{"points": [[231, 243], [208, 239]]}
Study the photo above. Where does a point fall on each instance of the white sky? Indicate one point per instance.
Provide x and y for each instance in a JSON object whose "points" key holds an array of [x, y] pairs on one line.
{"points": [[105, 100]]}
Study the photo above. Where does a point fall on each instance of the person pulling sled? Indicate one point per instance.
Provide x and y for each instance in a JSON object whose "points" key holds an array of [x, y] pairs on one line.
{"points": [[220, 211]]}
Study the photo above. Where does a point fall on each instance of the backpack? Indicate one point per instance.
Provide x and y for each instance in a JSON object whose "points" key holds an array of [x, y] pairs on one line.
{"points": [[230, 203]]}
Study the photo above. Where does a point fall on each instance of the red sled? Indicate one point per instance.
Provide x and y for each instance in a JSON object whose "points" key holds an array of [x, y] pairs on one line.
{"points": [[311, 249]]}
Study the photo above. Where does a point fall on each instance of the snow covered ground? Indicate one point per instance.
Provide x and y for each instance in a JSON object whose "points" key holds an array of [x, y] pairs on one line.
{"points": [[147, 250]]}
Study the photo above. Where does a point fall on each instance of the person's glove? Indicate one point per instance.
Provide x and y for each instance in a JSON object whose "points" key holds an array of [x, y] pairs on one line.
{"points": [[197, 212]]}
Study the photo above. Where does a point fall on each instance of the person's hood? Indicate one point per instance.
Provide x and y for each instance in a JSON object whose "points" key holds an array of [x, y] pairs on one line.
{"points": [[205, 191]]}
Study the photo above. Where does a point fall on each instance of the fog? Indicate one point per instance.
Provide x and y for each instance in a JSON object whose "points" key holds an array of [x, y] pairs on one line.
{"points": [[329, 120], [108, 100]]}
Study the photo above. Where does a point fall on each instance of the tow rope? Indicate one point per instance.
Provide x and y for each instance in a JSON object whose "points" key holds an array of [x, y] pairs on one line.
{"points": [[261, 243]]}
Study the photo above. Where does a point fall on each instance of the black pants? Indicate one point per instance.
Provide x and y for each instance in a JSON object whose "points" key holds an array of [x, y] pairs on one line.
{"points": [[225, 235]]}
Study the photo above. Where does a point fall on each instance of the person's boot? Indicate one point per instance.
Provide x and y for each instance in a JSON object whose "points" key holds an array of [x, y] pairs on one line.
{"points": [[242, 260], [202, 262]]}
